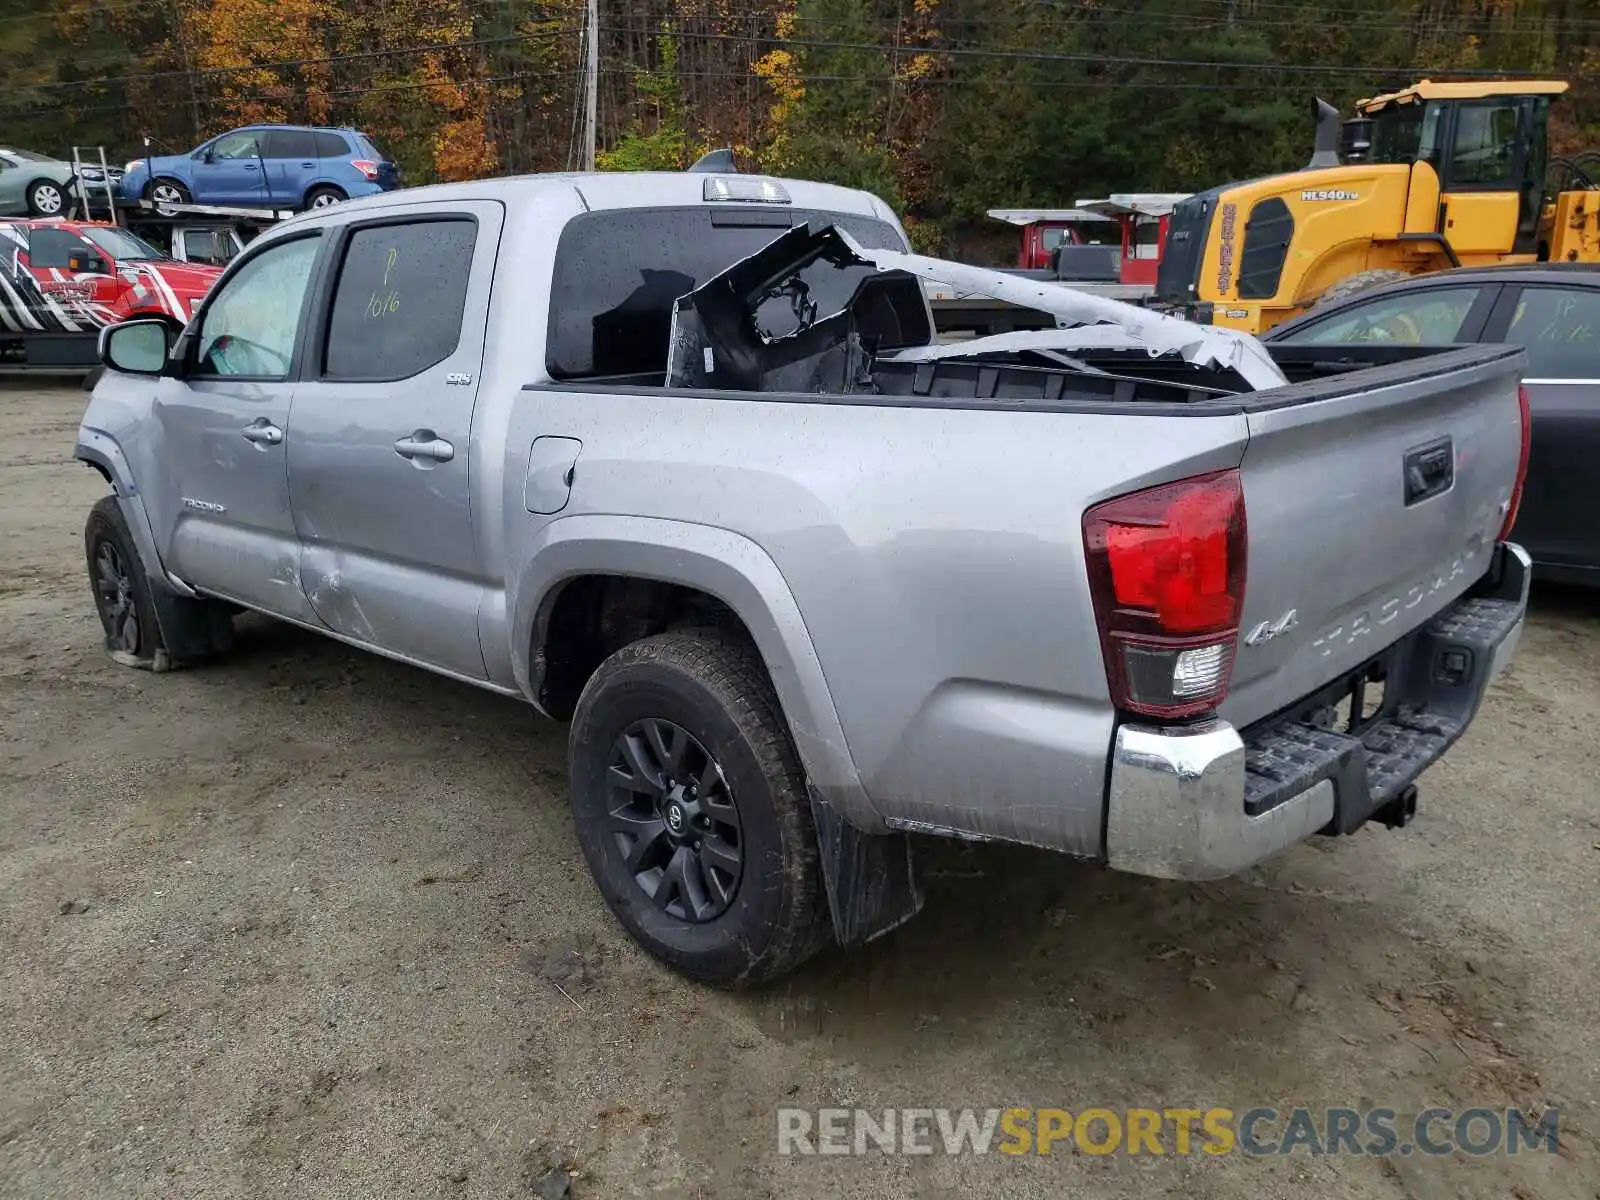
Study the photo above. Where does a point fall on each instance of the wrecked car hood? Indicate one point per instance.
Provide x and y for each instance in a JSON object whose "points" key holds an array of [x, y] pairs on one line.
{"points": [[810, 310]]}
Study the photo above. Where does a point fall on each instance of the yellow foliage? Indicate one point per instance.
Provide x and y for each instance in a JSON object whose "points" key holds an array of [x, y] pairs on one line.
{"points": [[781, 71], [462, 150]]}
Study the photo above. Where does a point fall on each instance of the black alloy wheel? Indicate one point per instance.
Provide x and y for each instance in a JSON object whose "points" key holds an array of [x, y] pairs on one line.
{"points": [[114, 598], [675, 820]]}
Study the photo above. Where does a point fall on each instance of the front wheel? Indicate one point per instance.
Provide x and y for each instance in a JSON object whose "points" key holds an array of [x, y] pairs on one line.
{"points": [[691, 809], [165, 192], [46, 199], [121, 593]]}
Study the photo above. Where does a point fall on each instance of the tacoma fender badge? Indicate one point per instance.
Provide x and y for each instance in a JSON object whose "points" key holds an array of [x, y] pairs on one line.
{"points": [[204, 505], [1268, 630]]}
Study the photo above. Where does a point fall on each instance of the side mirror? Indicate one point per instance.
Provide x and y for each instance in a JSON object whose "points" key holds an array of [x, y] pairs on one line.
{"points": [[136, 347], [86, 262]]}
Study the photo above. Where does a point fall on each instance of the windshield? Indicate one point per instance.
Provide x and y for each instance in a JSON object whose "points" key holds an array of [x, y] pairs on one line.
{"points": [[122, 245], [1397, 133], [1406, 133], [27, 156]]}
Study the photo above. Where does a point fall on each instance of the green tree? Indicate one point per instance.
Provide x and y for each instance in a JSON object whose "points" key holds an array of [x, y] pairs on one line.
{"points": [[655, 139]]}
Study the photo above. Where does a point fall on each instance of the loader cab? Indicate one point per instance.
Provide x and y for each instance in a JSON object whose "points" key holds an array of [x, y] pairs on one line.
{"points": [[1487, 145], [1437, 175]]}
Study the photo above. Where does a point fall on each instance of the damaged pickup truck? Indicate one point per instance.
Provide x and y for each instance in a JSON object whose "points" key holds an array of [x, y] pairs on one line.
{"points": [[679, 460]]}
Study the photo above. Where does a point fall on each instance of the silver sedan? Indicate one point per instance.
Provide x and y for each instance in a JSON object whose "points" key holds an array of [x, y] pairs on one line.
{"points": [[36, 185]]}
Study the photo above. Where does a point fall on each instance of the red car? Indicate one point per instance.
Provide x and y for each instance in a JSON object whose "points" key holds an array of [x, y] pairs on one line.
{"points": [[73, 277]]}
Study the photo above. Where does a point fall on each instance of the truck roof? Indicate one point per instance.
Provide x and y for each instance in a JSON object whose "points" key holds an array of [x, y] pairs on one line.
{"points": [[632, 189], [1429, 90], [1144, 204], [55, 223], [1036, 216]]}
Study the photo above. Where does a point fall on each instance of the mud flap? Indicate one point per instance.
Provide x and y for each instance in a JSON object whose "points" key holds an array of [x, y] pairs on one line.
{"points": [[192, 630], [870, 877]]}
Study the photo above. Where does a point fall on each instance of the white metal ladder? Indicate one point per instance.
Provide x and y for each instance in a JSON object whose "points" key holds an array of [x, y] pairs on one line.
{"points": [[81, 189]]}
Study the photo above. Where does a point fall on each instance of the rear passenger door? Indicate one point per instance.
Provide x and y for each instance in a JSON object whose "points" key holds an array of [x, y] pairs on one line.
{"points": [[1559, 327], [290, 156], [380, 464]]}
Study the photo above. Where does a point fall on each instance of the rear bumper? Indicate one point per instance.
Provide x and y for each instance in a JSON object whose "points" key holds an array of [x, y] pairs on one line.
{"points": [[1207, 800]]}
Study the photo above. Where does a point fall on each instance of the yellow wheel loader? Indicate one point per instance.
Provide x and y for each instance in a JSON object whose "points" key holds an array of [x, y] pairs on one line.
{"points": [[1438, 175]]}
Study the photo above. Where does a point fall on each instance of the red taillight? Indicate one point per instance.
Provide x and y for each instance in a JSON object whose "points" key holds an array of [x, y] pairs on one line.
{"points": [[366, 166], [1167, 569], [1522, 463]]}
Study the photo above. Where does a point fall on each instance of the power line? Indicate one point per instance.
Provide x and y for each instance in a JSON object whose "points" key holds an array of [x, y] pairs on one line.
{"points": [[1095, 21], [431, 48], [297, 94], [58, 14], [884, 79], [1044, 56]]}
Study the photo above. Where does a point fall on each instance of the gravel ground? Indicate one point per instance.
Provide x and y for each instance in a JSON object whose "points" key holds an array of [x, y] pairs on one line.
{"points": [[311, 923]]}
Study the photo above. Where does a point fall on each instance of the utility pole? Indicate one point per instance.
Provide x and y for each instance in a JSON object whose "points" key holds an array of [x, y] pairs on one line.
{"points": [[178, 27], [591, 82]]}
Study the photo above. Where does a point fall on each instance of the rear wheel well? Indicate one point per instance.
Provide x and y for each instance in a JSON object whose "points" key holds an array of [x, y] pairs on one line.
{"points": [[591, 617]]}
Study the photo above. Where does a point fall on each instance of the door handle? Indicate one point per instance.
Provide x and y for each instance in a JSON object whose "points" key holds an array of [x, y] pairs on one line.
{"points": [[263, 433], [424, 443], [251, 167]]}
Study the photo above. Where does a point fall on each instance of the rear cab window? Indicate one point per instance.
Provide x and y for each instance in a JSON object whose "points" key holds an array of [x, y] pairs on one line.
{"points": [[399, 299], [618, 273]]}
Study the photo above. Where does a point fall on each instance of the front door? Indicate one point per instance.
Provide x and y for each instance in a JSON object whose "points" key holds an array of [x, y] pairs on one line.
{"points": [[221, 510], [1481, 185], [380, 464], [64, 298], [230, 172]]}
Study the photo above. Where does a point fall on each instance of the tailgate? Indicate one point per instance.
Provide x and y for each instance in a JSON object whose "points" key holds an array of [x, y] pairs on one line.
{"points": [[1372, 500]]}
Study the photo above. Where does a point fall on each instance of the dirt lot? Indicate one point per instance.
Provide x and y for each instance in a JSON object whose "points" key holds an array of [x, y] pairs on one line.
{"points": [[311, 923]]}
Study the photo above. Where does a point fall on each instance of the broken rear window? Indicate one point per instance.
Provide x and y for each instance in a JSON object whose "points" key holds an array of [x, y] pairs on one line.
{"points": [[618, 273]]}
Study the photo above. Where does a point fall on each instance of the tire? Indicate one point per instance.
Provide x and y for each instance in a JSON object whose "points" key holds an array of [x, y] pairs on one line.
{"points": [[1361, 281], [709, 685], [47, 198], [167, 191], [121, 591], [323, 197]]}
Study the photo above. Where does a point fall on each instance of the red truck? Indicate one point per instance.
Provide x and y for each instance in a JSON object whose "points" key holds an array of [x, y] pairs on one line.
{"points": [[1049, 238], [1045, 230], [1143, 217], [62, 281]]}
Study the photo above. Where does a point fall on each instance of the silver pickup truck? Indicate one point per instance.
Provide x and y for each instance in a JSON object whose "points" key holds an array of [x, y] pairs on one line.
{"points": [[678, 459]]}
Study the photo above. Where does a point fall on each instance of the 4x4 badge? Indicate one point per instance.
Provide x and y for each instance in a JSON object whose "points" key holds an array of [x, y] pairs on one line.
{"points": [[1268, 630]]}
